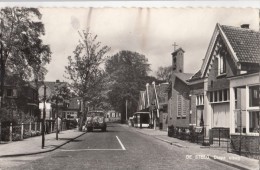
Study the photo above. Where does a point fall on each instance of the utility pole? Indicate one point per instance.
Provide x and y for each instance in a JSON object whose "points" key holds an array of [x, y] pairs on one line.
{"points": [[2, 65], [43, 119], [57, 119], [126, 110]]}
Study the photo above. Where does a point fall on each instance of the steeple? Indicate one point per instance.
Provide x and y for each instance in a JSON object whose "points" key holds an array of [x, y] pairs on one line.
{"points": [[178, 60]]}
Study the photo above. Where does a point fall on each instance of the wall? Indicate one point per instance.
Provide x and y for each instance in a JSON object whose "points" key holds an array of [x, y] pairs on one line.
{"points": [[196, 89], [180, 87]]}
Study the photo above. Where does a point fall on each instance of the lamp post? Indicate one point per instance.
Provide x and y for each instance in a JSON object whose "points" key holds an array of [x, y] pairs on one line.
{"points": [[79, 110], [57, 119], [126, 110]]}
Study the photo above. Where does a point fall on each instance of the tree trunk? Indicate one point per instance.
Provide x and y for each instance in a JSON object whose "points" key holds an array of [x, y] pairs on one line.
{"points": [[82, 115], [2, 76]]}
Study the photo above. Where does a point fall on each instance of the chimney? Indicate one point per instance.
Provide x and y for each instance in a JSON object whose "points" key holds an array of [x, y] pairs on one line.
{"points": [[246, 26]]}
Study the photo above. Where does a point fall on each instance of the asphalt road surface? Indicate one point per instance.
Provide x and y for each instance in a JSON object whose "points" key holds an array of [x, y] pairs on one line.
{"points": [[118, 148]]}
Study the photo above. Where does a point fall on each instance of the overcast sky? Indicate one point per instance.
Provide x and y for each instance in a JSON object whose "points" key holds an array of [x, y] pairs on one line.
{"points": [[148, 31]]}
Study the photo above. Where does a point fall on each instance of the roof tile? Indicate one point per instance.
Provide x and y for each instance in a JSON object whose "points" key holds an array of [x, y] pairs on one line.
{"points": [[245, 43]]}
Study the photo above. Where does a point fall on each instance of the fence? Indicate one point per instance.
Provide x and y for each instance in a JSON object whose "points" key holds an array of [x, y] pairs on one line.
{"points": [[245, 145], [219, 137], [195, 135], [16, 132]]}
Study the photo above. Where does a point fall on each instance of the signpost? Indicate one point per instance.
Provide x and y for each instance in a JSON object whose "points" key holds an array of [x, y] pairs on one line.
{"points": [[44, 93]]}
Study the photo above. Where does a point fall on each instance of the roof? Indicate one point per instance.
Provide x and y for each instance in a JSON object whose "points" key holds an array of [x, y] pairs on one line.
{"points": [[51, 84], [196, 76], [163, 87], [179, 49], [242, 43], [245, 43], [183, 76]]}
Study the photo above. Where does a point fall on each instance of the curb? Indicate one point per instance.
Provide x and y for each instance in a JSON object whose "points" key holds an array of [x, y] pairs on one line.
{"points": [[40, 152], [164, 140], [171, 143], [228, 163]]}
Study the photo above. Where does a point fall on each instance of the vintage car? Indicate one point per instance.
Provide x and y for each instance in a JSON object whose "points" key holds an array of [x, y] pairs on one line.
{"points": [[96, 120]]}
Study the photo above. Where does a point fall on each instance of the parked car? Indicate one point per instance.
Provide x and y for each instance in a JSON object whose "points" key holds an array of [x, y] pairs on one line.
{"points": [[96, 120]]}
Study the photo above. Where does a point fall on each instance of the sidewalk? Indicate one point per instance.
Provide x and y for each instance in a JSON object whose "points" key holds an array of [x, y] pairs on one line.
{"points": [[33, 145], [202, 152]]}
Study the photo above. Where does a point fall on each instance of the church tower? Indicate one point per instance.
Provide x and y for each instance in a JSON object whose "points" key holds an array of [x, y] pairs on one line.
{"points": [[178, 61]]}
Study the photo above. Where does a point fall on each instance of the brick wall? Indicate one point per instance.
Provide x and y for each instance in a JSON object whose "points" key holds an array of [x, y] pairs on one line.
{"points": [[180, 87], [217, 82]]}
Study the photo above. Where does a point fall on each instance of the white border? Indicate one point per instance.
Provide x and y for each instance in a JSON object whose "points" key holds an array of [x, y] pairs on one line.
{"points": [[196, 4]]}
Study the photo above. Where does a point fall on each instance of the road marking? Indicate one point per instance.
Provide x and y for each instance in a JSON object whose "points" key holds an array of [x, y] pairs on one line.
{"points": [[75, 150], [123, 148]]}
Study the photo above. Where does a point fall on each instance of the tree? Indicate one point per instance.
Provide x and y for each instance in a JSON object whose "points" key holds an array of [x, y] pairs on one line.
{"points": [[22, 50], [84, 69], [60, 96], [164, 73], [128, 74]]}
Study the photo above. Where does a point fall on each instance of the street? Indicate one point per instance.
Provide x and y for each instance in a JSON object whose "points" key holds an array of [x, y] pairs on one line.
{"points": [[118, 148]]}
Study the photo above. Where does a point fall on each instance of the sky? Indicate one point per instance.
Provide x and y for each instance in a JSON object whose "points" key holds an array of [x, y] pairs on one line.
{"points": [[149, 31]]}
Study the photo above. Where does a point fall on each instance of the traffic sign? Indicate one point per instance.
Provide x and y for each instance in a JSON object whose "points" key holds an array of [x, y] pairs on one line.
{"points": [[41, 92]]}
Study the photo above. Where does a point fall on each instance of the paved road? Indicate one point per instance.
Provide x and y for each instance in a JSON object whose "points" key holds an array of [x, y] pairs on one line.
{"points": [[119, 148]]}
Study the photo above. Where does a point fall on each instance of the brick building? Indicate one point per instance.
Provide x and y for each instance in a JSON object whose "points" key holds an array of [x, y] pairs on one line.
{"points": [[20, 98], [224, 93], [232, 52], [179, 94]]}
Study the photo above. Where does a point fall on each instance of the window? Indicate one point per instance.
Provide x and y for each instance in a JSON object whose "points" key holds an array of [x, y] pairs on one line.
{"points": [[219, 96], [215, 96], [199, 100], [254, 121], [211, 96], [179, 105], [9, 92], [182, 106], [254, 96], [221, 64]]}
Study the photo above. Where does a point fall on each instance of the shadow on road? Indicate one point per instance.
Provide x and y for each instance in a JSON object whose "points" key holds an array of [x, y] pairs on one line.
{"points": [[75, 140]]}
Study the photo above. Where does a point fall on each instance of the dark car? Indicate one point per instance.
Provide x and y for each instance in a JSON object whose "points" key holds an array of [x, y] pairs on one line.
{"points": [[96, 120]]}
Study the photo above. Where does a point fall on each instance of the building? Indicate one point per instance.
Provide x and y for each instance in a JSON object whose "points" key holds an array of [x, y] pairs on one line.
{"points": [[224, 93], [113, 116], [51, 106], [232, 52], [179, 94], [154, 100], [20, 98], [71, 112]]}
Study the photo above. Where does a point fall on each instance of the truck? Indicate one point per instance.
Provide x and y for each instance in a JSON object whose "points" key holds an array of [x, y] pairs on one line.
{"points": [[96, 120]]}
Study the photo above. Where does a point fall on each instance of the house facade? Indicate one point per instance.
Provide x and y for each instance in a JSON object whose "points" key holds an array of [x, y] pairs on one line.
{"points": [[71, 112], [51, 107], [232, 52], [224, 93], [20, 98]]}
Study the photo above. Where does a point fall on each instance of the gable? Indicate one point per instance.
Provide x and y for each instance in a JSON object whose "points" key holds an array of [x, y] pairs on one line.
{"points": [[220, 49], [217, 41], [241, 44]]}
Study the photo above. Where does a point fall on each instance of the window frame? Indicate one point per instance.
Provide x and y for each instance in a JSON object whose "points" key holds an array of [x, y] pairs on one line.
{"points": [[222, 67]]}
